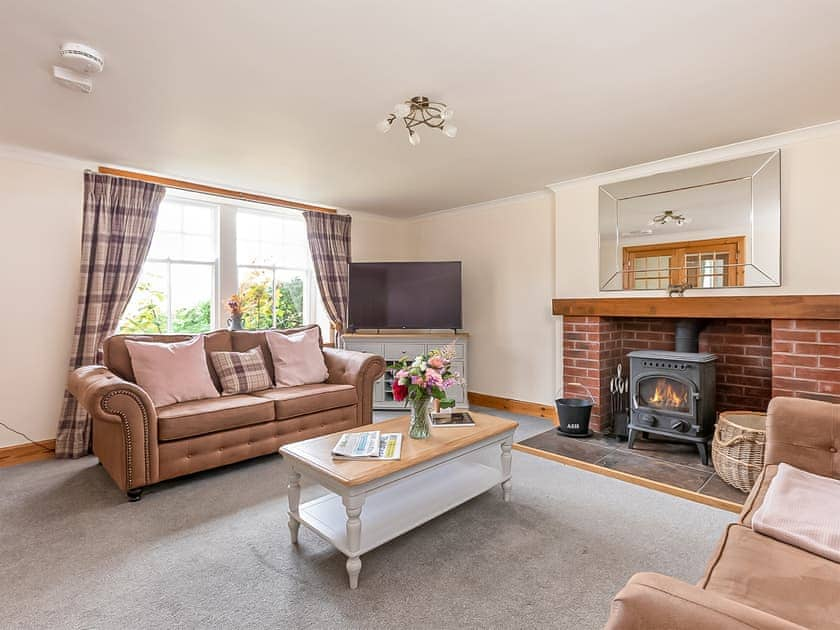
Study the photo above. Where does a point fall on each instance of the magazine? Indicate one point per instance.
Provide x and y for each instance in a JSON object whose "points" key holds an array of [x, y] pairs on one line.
{"points": [[452, 419], [377, 447], [355, 445]]}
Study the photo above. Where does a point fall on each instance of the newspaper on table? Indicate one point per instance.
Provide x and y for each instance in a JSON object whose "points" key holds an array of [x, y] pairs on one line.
{"points": [[369, 445]]}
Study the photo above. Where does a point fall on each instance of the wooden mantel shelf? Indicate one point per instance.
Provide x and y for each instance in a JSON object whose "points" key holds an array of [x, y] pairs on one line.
{"points": [[727, 306]]}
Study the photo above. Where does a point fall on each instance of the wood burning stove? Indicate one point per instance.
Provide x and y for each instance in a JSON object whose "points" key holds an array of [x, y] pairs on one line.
{"points": [[673, 394]]}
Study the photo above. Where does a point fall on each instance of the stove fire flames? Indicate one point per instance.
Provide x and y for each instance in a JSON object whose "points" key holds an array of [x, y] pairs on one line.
{"points": [[668, 395]]}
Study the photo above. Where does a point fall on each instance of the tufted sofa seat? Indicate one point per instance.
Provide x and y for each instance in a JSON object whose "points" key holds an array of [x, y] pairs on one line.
{"points": [[752, 580], [140, 445]]}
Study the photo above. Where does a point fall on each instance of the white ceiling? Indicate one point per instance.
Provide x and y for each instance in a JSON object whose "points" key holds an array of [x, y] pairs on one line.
{"points": [[282, 96]]}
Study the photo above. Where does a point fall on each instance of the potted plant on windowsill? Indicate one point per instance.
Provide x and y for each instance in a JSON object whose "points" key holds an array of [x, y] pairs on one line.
{"points": [[421, 380], [234, 305]]}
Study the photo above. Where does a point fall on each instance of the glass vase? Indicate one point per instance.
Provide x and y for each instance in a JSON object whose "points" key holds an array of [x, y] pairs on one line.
{"points": [[419, 427]]}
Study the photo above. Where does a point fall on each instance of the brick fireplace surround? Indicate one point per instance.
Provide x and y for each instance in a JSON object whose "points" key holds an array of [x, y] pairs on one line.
{"points": [[757, 358]]}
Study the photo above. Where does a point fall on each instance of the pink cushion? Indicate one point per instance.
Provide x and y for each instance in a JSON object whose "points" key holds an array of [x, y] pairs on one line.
{"points": [[297, 358], [172, 372]]}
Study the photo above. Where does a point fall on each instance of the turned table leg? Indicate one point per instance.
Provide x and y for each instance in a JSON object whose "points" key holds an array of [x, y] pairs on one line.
{"points": [[353, 506], [294, 504], [506, 461]]}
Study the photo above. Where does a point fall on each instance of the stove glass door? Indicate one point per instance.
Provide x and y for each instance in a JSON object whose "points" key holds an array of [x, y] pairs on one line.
{"points": [[661, 392]]}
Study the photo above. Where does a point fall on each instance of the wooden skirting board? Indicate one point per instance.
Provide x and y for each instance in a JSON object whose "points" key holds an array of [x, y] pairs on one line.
{"points": [[25, 453], [634, 479], [514, 406]]}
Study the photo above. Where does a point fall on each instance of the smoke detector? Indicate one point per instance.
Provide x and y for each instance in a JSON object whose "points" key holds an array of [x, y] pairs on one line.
{"points": [[81, 58], [73, 80]]}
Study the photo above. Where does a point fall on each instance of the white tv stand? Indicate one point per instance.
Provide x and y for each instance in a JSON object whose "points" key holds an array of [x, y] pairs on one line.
{"points": [[395, 345]]}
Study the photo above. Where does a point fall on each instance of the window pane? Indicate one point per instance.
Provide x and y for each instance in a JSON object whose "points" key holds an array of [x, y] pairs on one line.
{"points": [[192, 296], [165, 245], [289, 296], [169, 217], [247, 251], [197, 220], [271, 240], [147, 310], [185, 230], [256, 299], [198, 248]]}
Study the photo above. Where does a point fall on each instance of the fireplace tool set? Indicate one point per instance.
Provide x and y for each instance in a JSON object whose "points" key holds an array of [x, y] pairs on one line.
{"points": [[619, 401]]}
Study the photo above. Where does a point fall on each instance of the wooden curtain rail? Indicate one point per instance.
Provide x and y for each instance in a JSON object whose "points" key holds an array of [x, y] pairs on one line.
{"points": [[213, 190]]}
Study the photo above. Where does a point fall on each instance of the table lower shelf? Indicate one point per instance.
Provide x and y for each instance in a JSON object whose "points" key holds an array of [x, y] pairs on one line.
{"points": [[401, 506]]}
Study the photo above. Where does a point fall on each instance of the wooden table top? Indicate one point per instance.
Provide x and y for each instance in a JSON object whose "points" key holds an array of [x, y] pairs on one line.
{"points": [[316, 452]]}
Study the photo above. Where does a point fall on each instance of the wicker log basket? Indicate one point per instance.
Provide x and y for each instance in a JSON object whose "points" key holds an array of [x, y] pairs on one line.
{"points": [[738, 447]]}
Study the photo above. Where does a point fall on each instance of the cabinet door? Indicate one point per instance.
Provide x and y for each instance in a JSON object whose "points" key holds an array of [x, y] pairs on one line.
{"points": [[364, 346], [379, 392], [395, 351]]}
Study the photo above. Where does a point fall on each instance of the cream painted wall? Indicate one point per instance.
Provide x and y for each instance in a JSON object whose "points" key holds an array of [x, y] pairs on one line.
{"points": [[41, 217], [375, 238], [507, 251], [810, 220]]}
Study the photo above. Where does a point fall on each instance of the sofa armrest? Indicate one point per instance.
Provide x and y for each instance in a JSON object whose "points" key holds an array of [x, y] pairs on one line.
{"points": [[804, 433], [651, 601], [124, 425], [360, 369]]}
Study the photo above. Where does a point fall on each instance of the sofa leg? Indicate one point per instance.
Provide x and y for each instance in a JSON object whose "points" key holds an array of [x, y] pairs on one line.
{"points": [[135, 494]]}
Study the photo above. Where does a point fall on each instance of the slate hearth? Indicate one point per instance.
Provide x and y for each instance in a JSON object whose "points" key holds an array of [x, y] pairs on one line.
{"points": [[658, 460]]}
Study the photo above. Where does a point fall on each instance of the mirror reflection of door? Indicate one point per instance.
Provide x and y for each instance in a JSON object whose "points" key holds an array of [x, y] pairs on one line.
{"points": [[709, 263]]}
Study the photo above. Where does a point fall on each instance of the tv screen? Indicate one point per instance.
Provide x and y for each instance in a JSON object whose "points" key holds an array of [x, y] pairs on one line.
{"points": [[405, 295]]}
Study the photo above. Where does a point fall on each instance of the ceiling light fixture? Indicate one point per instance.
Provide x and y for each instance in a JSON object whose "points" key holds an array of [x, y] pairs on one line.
{"points": [[669, 216], [420, 111]]}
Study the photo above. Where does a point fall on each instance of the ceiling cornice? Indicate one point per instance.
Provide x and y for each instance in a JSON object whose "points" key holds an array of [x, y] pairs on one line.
{"points": [[480, 204], [704, 156]]}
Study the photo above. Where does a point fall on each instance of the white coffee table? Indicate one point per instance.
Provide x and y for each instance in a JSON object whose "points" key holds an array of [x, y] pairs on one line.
{"points": [[370, 503]]}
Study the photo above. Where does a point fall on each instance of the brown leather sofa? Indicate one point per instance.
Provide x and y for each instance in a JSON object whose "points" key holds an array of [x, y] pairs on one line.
{"points": [[139, 445], [753, 581]]}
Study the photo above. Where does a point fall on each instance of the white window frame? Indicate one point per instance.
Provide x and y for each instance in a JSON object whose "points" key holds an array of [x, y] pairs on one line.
{"points": [[310, 305], [226, 265], [214, 264]]}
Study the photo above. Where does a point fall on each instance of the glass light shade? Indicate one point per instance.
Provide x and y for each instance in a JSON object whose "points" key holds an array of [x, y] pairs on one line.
{"points": [[450, 131], [384, 125], [413, 138], [401, 110], [447, 114]]}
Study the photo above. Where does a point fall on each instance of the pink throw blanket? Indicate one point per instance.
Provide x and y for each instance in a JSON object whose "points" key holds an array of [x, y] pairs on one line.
{"points": [[803, 510]]}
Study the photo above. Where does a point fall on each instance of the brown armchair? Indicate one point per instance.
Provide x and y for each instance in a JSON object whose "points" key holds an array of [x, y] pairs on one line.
{"points": [[753, 581]]}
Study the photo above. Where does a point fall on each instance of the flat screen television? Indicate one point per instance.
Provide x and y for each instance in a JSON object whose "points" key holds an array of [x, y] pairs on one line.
{"points": [[405, 295]]}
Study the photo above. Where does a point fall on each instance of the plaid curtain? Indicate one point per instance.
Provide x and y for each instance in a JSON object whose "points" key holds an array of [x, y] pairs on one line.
{"points": [[118, 226], [329, 242]]}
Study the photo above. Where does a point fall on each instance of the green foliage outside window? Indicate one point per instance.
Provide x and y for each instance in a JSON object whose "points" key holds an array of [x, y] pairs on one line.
{"points": [[256, 298], [150, 316], [148, 313]]}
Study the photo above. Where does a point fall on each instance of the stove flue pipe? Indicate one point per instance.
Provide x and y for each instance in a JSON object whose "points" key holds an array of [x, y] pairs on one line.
{"points": [[687, 334]]}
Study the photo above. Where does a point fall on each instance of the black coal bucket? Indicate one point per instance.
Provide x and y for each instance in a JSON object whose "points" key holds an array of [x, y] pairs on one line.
{"points": [[573, 414]]}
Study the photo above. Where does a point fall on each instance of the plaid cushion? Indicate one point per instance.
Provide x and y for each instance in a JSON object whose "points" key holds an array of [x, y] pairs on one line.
{"points": [[241, 372]]}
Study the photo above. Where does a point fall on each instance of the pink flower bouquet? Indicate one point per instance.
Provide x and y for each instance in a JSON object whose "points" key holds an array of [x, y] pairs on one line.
{"points": [[426, 376]]}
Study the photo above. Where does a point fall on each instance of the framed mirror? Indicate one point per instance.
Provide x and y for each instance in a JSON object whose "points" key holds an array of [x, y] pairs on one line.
{"points": [[711, 226]]}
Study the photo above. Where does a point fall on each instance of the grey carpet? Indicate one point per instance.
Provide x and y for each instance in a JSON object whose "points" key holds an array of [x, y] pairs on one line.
{"points": [[212, 550]]}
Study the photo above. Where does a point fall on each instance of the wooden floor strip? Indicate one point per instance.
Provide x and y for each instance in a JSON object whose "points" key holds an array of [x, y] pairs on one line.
{"points": [[634, 479]]}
